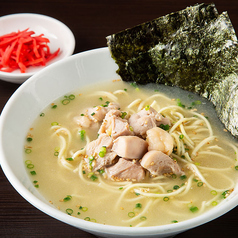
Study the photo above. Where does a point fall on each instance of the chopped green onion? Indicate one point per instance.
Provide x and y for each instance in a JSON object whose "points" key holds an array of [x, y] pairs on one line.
{"points": [[131, 214], [100, 98], [225, 194], [200, 184], [169, 191], [84, 209], [82, 114], [69, 159], [54, 106], [131, 128], [179, 103], [87, 218], [28, 162], [166, 199], [69, 211], [174, 221], [137, 194], [193, 209], [93, 220], [82, 134], [138, 205], [93, 177], [123, 114], [214, 192], [147, 107], [176, 187], [33, 172], [30, 166], [28, 151], [29, 139], [91, 158], [164, 127], [125, 89], [65, 101], [236, 167], [67, 198], [120, 188], [174, 176], [143, 218], [56, 153], [182, 177], [181, 136], [42, 114], [214, 203], [93, 113], [54, 123], [103, 151], [71, 97], [106, 104]]}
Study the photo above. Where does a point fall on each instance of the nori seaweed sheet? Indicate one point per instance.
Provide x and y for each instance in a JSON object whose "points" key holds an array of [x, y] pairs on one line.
{"points": [[197, 52], [130, 43]]}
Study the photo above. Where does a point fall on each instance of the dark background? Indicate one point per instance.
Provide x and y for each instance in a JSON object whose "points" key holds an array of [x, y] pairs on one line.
{"points": [[91, 21]]}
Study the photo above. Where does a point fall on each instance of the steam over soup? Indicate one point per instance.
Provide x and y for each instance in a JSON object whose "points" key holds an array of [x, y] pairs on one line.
{"points": [[124, 155]]}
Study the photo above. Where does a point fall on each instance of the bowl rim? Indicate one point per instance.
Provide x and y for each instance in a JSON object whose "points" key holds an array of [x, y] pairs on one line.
{"points": [[48, 18], [80, 223]]}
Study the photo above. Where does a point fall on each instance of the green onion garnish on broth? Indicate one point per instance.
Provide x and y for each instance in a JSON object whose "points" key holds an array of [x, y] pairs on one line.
{"points": [[67, 198], [131, 214], [143, 218], [82, 134], [138, 205], [193, 209], [30, 166], [29, 139], [69, 211], [54, 123], [65, 101], [54, 106], [166, 199], [200, 184], [28, 151], [33, 172]]}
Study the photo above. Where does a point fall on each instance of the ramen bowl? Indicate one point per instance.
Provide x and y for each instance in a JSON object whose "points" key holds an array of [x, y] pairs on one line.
{"points": [[25, 105], [59, 35]]}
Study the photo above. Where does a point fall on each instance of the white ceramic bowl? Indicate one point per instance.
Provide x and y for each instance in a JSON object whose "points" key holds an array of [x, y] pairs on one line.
{"points": [[59, 34], [26, 104]]}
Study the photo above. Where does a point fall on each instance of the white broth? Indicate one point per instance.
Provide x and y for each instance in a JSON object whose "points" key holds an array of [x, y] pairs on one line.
{"points": [[207, 154]]}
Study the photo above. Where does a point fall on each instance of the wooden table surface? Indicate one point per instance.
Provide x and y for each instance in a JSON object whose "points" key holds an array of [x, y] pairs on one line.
{"points": [[91, 21]]}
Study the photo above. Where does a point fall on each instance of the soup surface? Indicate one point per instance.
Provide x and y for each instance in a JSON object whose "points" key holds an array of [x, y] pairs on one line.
{"points": [[205, 152]]}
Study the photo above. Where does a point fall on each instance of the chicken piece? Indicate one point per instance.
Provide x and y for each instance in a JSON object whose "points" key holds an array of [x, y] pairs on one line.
{"points": [[95, 114], [83, 121], [158, 163], [112, 106], [93, 159], [127, 170], [114, 126], [130, 147], [145, 120], [159, 139]]}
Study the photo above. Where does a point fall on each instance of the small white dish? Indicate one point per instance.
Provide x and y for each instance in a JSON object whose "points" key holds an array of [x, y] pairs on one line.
{"points": [[58, 33], [26, 104]]}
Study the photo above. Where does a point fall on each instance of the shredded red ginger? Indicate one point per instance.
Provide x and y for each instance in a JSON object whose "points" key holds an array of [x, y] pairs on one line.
{"points": [[19, 50]]}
